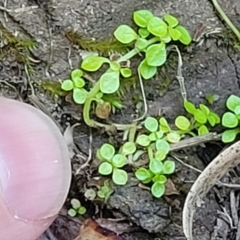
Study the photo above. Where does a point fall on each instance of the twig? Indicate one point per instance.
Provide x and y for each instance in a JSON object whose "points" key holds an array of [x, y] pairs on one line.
{"points": [[49, 62], [144, 98], [233, 208], [18, 10], [5, 13]]}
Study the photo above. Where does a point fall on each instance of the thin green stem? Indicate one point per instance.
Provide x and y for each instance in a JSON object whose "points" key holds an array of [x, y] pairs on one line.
{"points": [[150, 152], [226, 19]]}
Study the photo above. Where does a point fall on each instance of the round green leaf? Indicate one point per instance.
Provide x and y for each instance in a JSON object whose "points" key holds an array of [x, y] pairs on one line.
{"points": [[78, 82], [189, 107], [237, 110], [115, 66], [229, 120], [82, 210], [171, 20], [119, 160], [232, 102], [211, 120], [76, 73], [128, 148], [67, 85], [152, 137], [72, 212], [200, 117], [142, 17], [162, 145], [168, 167], [164, 126], [143, 174], [75, 203], [125, 34], [174, 33], [185, 36], [157, 27], [204, 109], [143, 32], [173, 137], [155, 166], [230, 135], [182, 123], [151, 124], [126, 72], [147, 71], [167, 38], [216, 117], [105, 168], [109, 82], [159, 178], [143, 140], [160, 155], [119, 176], [156, 55], [107, 151], [93, 63], [79, 95], [158, 189], [141, 44], [202, 130]]}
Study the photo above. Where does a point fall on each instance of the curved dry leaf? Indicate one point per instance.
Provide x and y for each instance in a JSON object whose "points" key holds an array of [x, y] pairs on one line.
{"points": [[226, 160]]}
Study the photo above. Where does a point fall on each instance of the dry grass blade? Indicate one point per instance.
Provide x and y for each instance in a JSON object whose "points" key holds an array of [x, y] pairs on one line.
{"points": [[228, 159]]}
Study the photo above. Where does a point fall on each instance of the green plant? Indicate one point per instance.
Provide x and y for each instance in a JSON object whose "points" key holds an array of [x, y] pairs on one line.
{"points": [[156, 174], [76, 85], [105, 191], [76, 208], [111, 164], [231, 119]]}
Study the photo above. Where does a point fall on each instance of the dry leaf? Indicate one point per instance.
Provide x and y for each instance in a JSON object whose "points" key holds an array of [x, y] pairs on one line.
{"points": [[103, 110], [90, 230], [170, 188]]}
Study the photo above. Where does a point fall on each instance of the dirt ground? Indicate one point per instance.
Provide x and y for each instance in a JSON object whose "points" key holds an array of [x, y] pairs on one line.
{"points": [[210, 66]]}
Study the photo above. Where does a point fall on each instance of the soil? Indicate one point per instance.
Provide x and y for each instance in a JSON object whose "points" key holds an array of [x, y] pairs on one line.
{"points": [[210, 66]]}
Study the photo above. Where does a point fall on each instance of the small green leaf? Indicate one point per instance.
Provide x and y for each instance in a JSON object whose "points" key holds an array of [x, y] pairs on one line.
{"points": [[143, 174], [155, 166], [75, 203], [143, 140], [115, 66], [160, 179], [79, 95], [119, 160], [141, 44], [125, 34], [152, 137], [119, 176], [142, 17], [168, 167], [171, 20], [182, 123], [185, 36], [147, 71], [128, 148], [93, 63], [72, 212], [237, 110], [158, 189], [229, 120], [232, 102], [107, 151], [78, 82], [156, 55], [202, 130], [189, 107], [230, 135], [211, 98], [173, 137], [126, 72], [213, 119], [143, 32], [204, 109], [167, 38], [105, 168], [82, 210], [157, 27], [160, 155], [162, 145], [109, 82], [67, 85], [76, 73], [175, 34], [151, 124], [164, 125], [200, 117]]}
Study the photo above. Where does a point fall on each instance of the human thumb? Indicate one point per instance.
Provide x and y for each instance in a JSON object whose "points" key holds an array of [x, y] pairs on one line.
{"points": [[35, 171]]}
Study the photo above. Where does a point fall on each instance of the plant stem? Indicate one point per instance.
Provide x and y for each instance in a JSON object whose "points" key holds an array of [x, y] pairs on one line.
{"points": [[150, 152], [226, 19]]}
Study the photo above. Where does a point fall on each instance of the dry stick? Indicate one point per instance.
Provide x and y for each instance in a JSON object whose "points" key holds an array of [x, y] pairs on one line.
{"points": [[18, 10], [226, 160]]}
